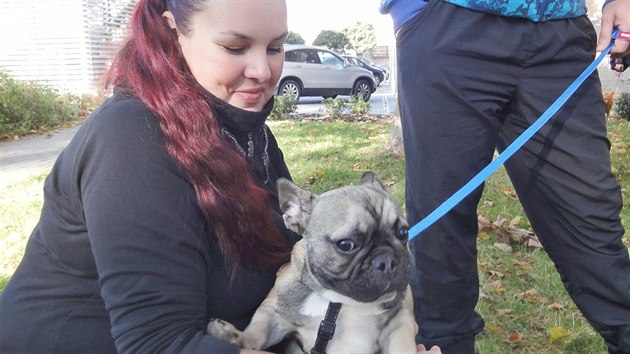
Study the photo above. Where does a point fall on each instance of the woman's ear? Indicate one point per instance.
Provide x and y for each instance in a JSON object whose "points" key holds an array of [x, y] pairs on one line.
{"points": [[170, 19]]}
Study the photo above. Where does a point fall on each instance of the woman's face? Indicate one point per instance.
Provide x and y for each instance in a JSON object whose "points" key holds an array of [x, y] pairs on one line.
{"points": [[234, 49]]}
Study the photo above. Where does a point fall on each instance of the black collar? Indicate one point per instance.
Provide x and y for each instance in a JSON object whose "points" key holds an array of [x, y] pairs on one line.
{"points": [[238, 120], [326, 328]]}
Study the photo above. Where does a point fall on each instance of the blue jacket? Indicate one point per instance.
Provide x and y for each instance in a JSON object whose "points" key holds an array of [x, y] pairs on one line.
{"points": [[535, 10]]}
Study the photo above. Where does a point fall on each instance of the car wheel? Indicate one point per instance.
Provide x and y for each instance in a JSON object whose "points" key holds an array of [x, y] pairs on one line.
{"points": [[377, 80], [362, 89], [290, 88]]}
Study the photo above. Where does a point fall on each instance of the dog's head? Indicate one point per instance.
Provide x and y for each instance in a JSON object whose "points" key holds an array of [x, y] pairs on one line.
{"points": [[356, 237]]}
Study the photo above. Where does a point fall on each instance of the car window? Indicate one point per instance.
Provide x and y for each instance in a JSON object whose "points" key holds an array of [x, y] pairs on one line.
{"points": [[353, 61], [328, 58], [365, 62], [301, 56]]}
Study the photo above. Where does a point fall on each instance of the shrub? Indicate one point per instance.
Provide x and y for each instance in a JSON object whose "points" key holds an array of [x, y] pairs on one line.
{"points": [[335, 107], [359, 106], [26, 107], [622, 105], [283, 106]]}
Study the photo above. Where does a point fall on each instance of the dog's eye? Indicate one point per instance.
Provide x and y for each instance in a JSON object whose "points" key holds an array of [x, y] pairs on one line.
{"points": [[403, 234], [345, 245]]}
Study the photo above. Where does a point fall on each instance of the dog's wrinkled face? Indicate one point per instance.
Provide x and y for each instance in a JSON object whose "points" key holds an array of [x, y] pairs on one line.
{"points": [[356, 237]]}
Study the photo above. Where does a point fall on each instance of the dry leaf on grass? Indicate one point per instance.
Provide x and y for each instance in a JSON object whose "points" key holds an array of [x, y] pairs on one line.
{"points": [[556, 306], [515, 338], [508, 231], [532, 297], [558, 334]]}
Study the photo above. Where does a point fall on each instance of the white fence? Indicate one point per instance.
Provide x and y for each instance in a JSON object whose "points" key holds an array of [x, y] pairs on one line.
{"points": [[66, 44]]}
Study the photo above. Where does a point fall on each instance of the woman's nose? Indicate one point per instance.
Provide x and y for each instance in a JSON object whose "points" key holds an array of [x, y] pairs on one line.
{"points": [[258, 67]]}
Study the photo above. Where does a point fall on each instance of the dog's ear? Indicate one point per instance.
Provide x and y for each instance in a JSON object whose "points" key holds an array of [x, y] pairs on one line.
{"points": [[296, 205], [370, 178]]}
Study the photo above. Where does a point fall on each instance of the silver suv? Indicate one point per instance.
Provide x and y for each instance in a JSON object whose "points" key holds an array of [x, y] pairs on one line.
{"points": [[317, 71]]}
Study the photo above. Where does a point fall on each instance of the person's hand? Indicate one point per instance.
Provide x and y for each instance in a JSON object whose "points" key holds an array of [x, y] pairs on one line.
{"points": [[434, 349], [615, 14]]}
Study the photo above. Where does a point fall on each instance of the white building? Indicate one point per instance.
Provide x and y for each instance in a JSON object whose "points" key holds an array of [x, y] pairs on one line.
{"points": [[66, 44]]}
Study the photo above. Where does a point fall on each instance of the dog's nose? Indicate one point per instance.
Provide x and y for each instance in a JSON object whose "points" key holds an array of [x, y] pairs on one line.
{"points": [[385, 263]]}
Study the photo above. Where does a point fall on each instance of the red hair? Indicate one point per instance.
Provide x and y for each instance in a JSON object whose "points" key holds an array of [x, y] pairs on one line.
{"points": [[152, 67]]}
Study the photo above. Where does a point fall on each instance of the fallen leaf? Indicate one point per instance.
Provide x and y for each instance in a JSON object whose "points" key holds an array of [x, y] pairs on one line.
{"points": [[508, 191], [515, 337], [483, 235], [500, 221], [492, 286], [556, 306], [515, 221], [532, 297], [557, 334], [483, 223], [514, 236], [496, 274], [523, 264], [493, 328], [533, 242]]}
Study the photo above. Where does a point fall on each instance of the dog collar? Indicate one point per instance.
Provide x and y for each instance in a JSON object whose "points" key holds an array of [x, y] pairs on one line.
{"points": [[326, 328]]}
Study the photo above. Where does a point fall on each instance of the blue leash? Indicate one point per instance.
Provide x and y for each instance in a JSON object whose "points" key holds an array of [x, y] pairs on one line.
{"points": [[477, 180]]}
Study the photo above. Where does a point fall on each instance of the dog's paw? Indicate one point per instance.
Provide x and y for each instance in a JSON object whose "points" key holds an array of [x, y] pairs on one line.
{"points": [[223, 330]]}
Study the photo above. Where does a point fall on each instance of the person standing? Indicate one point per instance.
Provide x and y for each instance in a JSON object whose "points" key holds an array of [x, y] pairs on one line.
{"points": [[472, 76]]}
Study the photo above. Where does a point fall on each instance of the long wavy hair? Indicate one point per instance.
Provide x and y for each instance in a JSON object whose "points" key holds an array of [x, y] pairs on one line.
{"points": [[152, 67]]}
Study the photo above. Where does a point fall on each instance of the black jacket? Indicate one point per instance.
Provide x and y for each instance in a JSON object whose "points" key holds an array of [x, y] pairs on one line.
{"points": [[122, 259]]}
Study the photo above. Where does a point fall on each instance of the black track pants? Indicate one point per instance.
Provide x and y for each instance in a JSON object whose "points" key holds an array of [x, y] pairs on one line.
{"points": [[470, 83]]}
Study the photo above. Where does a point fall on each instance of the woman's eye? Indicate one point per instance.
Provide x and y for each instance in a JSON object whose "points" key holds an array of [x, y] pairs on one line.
{"points": [[345, 245], [235, 50], [275, 50]]}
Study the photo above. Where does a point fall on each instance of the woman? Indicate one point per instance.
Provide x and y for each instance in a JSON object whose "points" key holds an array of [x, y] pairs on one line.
{"points": [[162, 211]]}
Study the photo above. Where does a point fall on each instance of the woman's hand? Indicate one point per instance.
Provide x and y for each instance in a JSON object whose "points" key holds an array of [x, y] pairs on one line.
{"points": [[434, 349]]}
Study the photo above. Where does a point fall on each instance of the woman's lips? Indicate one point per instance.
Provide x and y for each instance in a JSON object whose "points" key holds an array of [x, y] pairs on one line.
{"points": [[250, 96]]}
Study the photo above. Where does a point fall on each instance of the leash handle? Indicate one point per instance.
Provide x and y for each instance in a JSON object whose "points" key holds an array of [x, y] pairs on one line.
{"points": [[478, 179]]}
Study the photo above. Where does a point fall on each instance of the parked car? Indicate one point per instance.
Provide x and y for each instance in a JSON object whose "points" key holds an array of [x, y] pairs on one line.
{"points": [[369, 62], [317, 71], [379, 74]]}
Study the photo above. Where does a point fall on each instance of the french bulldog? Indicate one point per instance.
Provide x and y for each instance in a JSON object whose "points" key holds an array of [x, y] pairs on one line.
{"points": [[354, 253]]}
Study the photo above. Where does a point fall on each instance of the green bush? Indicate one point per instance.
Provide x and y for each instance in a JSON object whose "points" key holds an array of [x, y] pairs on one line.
{"points": [[283, 106], [335, 107], [622, 105], [27, 107], [359, 106]]}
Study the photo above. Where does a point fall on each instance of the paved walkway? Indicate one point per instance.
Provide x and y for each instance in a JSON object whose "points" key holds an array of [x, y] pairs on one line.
{"points": [[31, 155]]}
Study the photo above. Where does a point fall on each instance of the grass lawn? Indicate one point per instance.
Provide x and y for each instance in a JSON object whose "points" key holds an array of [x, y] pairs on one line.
{"points": [[523, 301]]}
